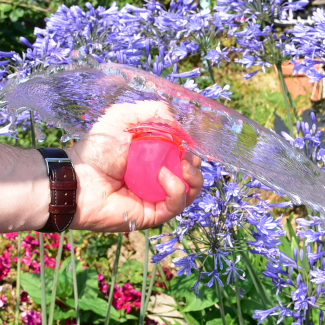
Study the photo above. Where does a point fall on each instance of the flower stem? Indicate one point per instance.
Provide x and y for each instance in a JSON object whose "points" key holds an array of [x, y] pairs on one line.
{"points": [[222, 311], [167, 284], [32, 122], [18, 279], [211, 73], [74, 274], [55, 279], [257, 284], [111, 291], [152, 281], [153, 277], [292, 103], [285, 97], [240, 315], [43, 294], [144, 280]]}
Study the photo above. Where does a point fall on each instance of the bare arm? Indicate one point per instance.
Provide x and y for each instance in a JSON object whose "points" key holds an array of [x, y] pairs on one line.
{"points": [[24, 189]]}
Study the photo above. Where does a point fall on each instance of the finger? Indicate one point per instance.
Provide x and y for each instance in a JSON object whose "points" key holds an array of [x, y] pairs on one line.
{"points": [[175, 201], [193, 159], [194, 179]]}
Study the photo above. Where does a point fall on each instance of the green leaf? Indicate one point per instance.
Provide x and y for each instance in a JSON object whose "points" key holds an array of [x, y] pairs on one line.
{"points": [[207, 297], [130, 316], [16, 14], [5, 7], [31, 282], [218, 321], [130, 271], [98, 306], [87, 283], [60, 314], [249, 305]]}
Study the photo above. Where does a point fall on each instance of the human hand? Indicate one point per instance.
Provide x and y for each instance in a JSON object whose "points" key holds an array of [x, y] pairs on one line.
{"points": [[100, 161]]}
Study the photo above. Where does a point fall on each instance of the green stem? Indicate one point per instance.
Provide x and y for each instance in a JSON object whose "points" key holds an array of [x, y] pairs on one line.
{"points": [[211, 73], [285, 97], [222, 311], [144, 280], [167, 284], [43, 294], [55, 279], [74, 274], [32, 122], [307, 317], [18, 279], [153, 277], [240, 315], [152, 281], [292, 103], [111, 291], [258, 284]]}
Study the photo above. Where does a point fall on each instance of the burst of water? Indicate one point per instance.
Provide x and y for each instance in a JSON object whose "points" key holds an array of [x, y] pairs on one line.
{"points": [[74, 97], [132, 225], [125, 215]]}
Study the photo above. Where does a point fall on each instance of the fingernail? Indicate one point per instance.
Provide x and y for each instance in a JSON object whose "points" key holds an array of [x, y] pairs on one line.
{"points": [[190, 169], [165, 172]]}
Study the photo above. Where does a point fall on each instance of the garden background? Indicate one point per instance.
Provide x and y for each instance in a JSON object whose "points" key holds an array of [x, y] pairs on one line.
{"points": [[169, 296]]}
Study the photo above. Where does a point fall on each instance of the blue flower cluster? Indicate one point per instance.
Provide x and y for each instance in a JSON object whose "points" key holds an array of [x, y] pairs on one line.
{"points": [[251, 24], [150, 38], [229, 216], [218, 223], [308, 42], [309, 142]]}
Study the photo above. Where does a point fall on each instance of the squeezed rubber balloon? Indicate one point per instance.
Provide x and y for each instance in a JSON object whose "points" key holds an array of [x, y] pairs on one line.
{"points": [[147, 155]]}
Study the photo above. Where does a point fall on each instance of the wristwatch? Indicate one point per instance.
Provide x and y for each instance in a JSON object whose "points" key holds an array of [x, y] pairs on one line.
{"points": [[63, 186]]}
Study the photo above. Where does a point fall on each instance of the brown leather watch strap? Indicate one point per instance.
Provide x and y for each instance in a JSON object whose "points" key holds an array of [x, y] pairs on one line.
{"points": [[63, 185]]}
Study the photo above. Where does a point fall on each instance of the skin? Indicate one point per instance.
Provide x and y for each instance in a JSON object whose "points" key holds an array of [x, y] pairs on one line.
{"points": [[100, 161]]}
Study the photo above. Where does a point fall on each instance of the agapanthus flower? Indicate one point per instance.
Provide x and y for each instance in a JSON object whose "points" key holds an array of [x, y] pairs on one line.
{"points": [[303, 278], [150, 38], [212, 221]]}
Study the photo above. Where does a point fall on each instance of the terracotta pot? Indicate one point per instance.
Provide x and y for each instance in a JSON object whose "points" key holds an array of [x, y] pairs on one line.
{"points": [[298, 84]]}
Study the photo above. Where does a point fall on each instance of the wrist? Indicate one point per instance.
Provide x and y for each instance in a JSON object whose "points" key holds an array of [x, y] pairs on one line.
{"points": [[24, 189]]}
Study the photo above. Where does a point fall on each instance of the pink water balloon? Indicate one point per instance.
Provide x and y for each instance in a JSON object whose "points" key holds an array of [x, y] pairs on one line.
{"points": [[148, 153]]}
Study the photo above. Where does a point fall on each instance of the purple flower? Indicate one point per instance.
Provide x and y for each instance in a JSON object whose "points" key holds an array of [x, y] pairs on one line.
{"points": [[214, 276], [186, 263], [261, 315], [318, 276]]}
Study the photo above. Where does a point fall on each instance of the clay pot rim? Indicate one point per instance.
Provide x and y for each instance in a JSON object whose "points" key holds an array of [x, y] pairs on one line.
{"points": [[288, 67]]}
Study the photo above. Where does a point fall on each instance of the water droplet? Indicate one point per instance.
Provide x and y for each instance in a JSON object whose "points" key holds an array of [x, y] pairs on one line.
{"points": [[40, 134], [125, 215], [65, 138], [69, 267], [132, 225], [104, 195]]}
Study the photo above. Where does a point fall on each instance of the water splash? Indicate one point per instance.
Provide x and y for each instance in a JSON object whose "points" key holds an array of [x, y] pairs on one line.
{"points": [[73, 97], [132, 225]]}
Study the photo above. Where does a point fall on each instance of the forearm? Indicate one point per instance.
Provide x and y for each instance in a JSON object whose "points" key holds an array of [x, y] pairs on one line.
{"points": [[24, 189]]}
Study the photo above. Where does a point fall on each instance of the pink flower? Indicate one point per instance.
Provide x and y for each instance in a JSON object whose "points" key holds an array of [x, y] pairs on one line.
{"points": [[5, 263], [103, 286], [23, 296], [31, 317], [126, 297], [11, 235]]}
